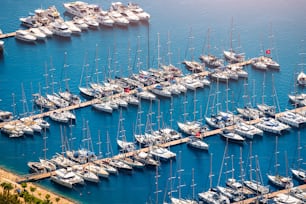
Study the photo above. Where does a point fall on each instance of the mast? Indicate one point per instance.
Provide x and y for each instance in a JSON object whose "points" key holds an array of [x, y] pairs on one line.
{"points": [[99, 143], [157, 191], [193, 185], [180, 170], [169, 49], [158, 51], [195, 105], [210, 171], [45, 149]]}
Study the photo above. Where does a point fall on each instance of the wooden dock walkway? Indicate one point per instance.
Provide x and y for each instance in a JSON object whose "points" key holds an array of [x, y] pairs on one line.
{"points": [[269, 195], [7, 35], [35, 177]]}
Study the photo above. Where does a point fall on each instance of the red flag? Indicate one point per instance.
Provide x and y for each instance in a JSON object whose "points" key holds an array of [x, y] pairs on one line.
{"points": [[268, 51]]}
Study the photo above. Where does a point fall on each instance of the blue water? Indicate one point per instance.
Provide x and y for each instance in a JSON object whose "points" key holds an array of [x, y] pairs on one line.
{"points": [[24, 65]]}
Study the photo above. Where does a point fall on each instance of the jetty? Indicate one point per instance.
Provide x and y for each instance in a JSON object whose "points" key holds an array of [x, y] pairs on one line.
{"points": [[7, 35], [39, 176], [269, 195]]}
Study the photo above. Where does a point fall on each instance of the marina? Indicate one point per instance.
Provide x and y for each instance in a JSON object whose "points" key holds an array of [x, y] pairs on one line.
{"points": [[151, 104]]}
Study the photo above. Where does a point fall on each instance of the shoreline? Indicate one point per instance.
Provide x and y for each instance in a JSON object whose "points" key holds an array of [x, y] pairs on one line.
{"points": [[40, 192]]}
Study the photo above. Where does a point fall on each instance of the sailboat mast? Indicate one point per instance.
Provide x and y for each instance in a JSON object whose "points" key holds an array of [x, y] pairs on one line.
{"points": [[251, 159], [195, 105], [210, 171], [276, 156], [169, 48], [158, 51]]}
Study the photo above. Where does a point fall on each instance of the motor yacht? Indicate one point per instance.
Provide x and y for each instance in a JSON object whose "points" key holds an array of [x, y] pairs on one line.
{"points": [[60, 29], [25, 36]]}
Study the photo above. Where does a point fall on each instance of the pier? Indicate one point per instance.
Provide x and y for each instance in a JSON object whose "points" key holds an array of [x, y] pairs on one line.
{"points": [[7, 35], [39, 176], [269, 195]]}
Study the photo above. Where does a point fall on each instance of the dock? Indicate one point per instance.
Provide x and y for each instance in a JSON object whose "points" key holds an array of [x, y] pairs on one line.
{"points": [[38, 176], [269, 195], [7, 35]]}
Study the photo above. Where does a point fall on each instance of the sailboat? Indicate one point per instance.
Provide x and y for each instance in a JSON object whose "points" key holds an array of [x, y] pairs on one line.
{"points": [[263, 107], [298, 172], [269, 61], [248, 112], [86, 90], [301, 77], [99, 162], [179, 199], [190, 127], [124, 145], [231, 54], [211, 196], [209, 59], [192, 65], [66, 94], [255, 185], [276, 179], [85, 154]]}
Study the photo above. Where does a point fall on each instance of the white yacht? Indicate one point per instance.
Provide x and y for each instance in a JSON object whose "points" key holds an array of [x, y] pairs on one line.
{"points": [[6, 116], [57, 100], [260, 65], [161, 153], [256, 186], [79, 22], [118, 18], [45, 30], [60, 29], [126, 146], [233, 57], [74, 29], [59, 117], [48, 165], [266, 109], [231, 136], [301, 79], [285, 198], [67, 178], [272, 126], [25, 36], [197, 143], [193, 66], [85, 174], [103, 106], [146, 95], [142, 15], [12, 130], [161, 91], [98, 170], [298, 99], [1, 46], [247, 130], [37, 33], [130, 16], [76, 8], [105, 20], [292, 119], [91, 22], [61, 161], [189, 127], [212, 197], [298, 193], [250, 113]]}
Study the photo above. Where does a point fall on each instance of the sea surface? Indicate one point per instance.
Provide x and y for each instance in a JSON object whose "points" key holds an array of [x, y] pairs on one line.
{"points": [[176, 31]]}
